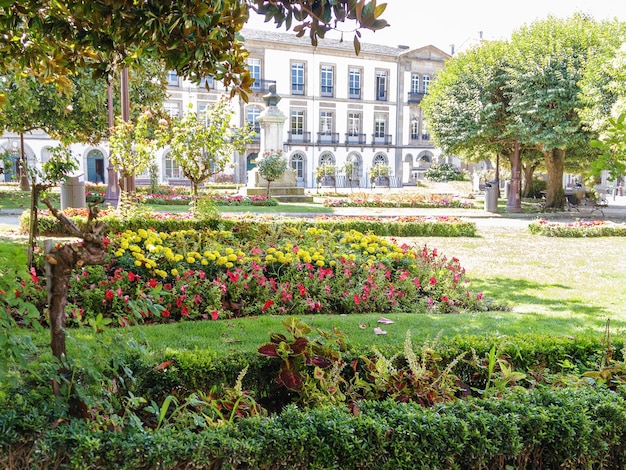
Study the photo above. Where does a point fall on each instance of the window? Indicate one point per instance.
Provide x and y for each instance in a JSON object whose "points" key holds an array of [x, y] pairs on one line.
{"points": [[415, 129], [297, 122], [327, 158], [425, 83], [206, 82], [354, 124], [425, 134], [380, 125], [297, 163], [297, 78], [253, 119], [327, 79], [326, 122], [254, 67], [381, 86], [172, 170], [173, 109], [354, 82], [172, 78], [415, 83], [380, 159]]}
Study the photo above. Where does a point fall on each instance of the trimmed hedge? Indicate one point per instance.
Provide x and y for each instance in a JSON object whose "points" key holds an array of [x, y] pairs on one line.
{"points": [[384, 226], [583, 428]]}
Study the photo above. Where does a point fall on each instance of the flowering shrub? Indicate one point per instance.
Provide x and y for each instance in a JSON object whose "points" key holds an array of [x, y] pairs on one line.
{"points": [[397, 200], [218, 199], [577, 229], [157, 276]]}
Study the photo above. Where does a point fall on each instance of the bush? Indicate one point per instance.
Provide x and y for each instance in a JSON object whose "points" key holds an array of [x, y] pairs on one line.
{"points": [[443, 172]]}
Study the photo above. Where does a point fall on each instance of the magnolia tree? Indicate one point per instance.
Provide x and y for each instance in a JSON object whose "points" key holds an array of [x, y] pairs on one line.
{"points": [[203, 146], [271, 166]]}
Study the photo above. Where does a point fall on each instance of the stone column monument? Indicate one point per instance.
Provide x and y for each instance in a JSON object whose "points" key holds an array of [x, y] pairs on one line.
{"points": [[272, 121]]}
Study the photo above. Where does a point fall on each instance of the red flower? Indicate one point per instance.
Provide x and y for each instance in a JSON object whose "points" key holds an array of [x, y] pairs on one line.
{"points": [[185, 311], [166, 313], [433, 281], [109, 294], [214, 314], [153, 283], [131, 276], [268, 304], [357, 299]]}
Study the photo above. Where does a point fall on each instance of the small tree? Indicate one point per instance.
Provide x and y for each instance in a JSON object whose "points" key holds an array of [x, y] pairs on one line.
{"points": [[379, 171], [272, 165], [349, 169], [204, 146], [132, 147]]}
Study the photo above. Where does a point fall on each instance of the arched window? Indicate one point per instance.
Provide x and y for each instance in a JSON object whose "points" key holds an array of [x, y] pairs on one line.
{"points": [[357, 162], [327, 157], [250, 159], [380, 159], [297, 163]]}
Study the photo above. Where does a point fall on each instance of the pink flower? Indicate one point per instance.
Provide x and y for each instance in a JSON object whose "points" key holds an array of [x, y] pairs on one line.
{"points": [[433, 281], [268, 304], [214, 314]]}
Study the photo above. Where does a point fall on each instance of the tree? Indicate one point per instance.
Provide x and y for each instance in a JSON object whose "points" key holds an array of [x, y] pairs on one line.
{"points": [[203, 147], [271, 166], [545, 93], [51, 39]]}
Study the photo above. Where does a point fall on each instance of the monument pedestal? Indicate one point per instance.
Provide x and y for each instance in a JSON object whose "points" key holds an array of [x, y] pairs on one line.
{"points": [[283, 189]]}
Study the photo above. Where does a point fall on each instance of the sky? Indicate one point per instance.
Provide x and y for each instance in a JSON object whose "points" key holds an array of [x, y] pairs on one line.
{"points": [[442, 23]]}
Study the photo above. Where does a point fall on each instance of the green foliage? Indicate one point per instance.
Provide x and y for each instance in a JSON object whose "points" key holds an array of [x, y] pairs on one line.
{"points": [[443, 172], [577, 229], [326, 169], [272, 166], [612, 147], [204, 145]]}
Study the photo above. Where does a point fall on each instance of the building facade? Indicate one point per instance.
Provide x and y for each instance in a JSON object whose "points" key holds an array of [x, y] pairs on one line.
{"points": [[341, 108]]}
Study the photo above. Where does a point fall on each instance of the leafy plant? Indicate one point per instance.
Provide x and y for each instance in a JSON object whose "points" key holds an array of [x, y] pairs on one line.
{"points": [[311, 368], [443, 172], [271, 166]]}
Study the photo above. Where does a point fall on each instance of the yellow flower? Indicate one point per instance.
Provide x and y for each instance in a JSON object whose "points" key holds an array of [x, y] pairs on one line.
{"points": [[137, 263], [174, 272]]}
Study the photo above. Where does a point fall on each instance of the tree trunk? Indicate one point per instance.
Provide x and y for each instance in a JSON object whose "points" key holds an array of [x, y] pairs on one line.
{"points": [[268, 188], [555, 162], [529, 172], [62, 260]]}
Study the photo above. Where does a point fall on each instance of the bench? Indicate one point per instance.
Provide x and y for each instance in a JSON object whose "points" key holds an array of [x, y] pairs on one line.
{"points": [[574, 202]]}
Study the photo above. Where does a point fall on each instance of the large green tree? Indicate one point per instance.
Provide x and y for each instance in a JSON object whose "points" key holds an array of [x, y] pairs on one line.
{"points": [[544, 90], [78, 112]]}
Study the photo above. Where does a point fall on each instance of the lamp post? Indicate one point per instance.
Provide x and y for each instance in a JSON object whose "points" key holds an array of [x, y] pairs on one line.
{"points": [[112, 194]]}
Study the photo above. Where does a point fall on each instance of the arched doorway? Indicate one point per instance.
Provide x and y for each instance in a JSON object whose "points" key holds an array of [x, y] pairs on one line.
{"points": [[95, 166], [250, 160], [298, 163]]}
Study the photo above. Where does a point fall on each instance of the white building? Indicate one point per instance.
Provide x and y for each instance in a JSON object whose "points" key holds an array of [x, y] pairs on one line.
{"points": [[340, 107]]}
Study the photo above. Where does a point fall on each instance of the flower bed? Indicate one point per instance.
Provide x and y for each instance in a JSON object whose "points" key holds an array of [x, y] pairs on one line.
{"points": [[218, 199], [577, 229], [383, 226], [398, 200], [158, 276]]}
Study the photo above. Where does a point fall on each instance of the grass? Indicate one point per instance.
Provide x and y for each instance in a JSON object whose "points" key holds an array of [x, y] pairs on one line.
{"points": [[554, 286]]}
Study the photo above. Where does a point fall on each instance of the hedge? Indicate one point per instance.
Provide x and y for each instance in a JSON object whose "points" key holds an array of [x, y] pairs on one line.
{"points": [[583, 428], [381, 226]]}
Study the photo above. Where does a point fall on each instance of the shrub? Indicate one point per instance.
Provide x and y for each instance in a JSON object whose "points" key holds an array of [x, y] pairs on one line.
{"points": [[443, 172]]}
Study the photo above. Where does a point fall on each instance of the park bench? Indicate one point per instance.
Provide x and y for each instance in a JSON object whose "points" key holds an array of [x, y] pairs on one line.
{"points": [[580, 200]]}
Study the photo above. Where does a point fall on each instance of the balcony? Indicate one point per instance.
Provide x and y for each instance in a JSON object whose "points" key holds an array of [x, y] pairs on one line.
{"points": [[381, 139], [261, 85], [355, 139], [327, 138], [416, 97], [355, 94], [298, 137]]}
